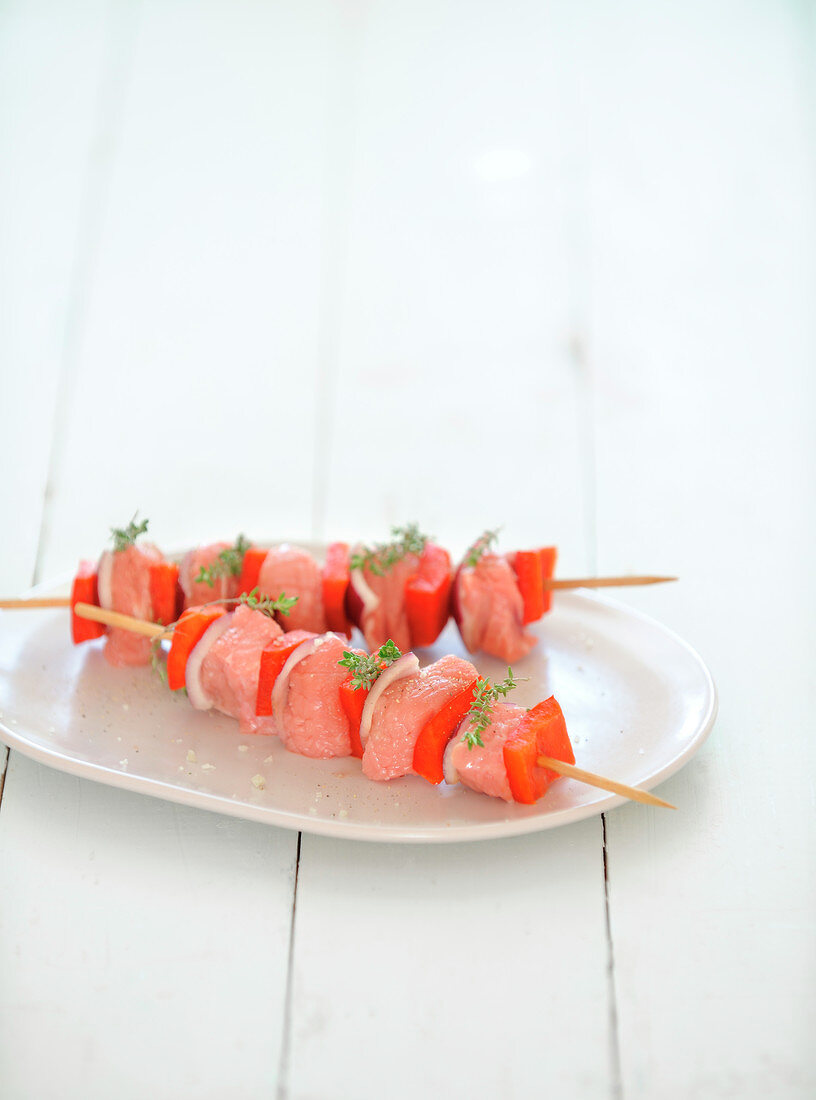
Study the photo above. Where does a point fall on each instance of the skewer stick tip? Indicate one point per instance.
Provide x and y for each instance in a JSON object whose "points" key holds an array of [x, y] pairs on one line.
{"points": [[635, 794]]}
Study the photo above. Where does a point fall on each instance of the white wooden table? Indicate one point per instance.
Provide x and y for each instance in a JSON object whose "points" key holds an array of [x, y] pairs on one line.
{"points": [[311, 269]]}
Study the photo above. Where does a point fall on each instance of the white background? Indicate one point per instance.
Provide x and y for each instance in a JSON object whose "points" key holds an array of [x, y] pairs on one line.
{"points": [[309, 269]]}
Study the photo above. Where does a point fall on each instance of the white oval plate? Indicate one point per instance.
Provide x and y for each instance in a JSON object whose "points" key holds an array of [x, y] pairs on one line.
{"points": [[638, 701]]}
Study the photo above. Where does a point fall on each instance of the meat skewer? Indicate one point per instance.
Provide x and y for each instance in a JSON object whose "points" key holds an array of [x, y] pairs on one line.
{"points": [[404, 590], [314, 658]]}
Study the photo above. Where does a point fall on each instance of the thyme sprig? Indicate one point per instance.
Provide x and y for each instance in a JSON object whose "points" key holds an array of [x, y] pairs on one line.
{"points": [[383, 556], [123, 537], [268, 605], [481, 546], [368, 667], [485, 696], [156, 653], [228, 563]]}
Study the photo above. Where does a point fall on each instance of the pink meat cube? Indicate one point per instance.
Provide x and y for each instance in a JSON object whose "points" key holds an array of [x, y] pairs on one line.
{"points": [[402, 711], [290, 570], [314, 722], [130, 594], [389, 618], [490, 610], [229, 672], [482, 769], [199, 592]]}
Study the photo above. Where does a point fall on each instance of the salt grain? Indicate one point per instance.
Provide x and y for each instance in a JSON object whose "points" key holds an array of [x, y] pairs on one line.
{"points": [[243, 748], [191, 756], [208, 767], [258, 781]]}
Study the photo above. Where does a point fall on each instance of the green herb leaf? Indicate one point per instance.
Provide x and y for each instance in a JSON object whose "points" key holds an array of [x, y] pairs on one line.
{"points": [[369, 667], [267, 604], [383, 556], [228, 563], [156, 654], [123, 537], [485, 696], [481, 546]]}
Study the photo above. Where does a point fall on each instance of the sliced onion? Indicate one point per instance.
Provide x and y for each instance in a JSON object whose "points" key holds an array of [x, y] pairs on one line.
{"points": [[364, 592], [448, 770], [280, 691], [406, 665], [104, 580], [192, 673]]}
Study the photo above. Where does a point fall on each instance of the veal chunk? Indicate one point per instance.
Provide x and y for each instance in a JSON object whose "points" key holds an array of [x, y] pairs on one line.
{"points": [[294, 572], [313, 721], [403, 710], [490, 609], [130, 594], [229, 672], [389, 618], [482, 768], [199, 592]]}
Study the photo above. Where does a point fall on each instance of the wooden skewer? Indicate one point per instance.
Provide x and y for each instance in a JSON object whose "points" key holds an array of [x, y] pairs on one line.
{"points": [[601, 781], [59, 601], [126, 622], [549, 586], [603, 582]]}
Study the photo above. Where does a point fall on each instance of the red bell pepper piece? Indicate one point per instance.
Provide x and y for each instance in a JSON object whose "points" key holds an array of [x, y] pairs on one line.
{"points": [[542, 731], [84, 590], [430, 746], [335, 581], [164, 590], [251, 568], [274, 656], [427, 596], [353, 702], [527, 567], [186, 633], [548, 555]]}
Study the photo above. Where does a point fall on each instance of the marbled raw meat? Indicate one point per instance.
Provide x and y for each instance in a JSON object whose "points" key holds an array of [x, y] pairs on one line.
{"points": [[229, 672], [293, 571], [403, 710], [199, 592], [389, 619], [482, 769], [490, 609], [130, 594], [313, 721]]}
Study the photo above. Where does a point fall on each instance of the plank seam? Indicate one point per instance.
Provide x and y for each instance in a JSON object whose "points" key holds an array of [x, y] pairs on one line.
{"points": [[614, 1036], [286, 1037], [3, 771]]}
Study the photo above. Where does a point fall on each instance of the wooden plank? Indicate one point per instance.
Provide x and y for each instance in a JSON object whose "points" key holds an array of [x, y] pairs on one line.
{"points": [[703, 345], [194, 392], [458, 396], [52, 68], [195, 308], [143, 944], [461, 970], [457, 399]]}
